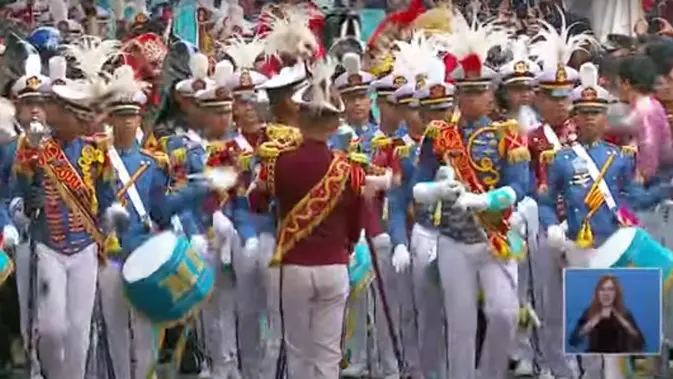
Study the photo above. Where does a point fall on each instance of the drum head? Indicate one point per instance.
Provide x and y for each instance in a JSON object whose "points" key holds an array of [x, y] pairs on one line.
{"points": [[147, 258], [613, 248]]}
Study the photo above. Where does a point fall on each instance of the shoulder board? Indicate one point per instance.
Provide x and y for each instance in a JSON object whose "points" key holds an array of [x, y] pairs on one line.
{"points": [[629, 150], [100, 140], [163, 143], [380, 141], [281, 132], [358, 158], [547, 156], [433, 128], [159, 157]]}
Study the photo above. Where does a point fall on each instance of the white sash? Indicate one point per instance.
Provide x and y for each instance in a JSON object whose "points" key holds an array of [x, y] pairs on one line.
{"points": [[551, 136], [408, 140], [594, 172], [125, 178], [243, 143]]}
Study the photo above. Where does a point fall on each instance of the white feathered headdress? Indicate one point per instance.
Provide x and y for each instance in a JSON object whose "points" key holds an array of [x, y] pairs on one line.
{"points": [[471, 42], [555, 47], [244, 54], [125, 88], [7, 114], [290, 35], [319, 95], [90, 54], [418, 60]]}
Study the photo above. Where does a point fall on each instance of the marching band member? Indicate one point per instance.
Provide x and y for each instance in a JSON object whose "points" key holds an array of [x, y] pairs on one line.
{"points": [[225, 217], [556, 129], [142, 181], [314, 287], [353, 85], [279, 90], [65, 225], [589, 174], [434, 100], [256, 284], [476, 247], [517, 88]]}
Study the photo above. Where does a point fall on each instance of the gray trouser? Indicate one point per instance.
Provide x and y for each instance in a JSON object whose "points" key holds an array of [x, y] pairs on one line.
{"points": [[463, 269], [313, 304], [127, 339], [428, 302], [219, 318], [271, 280], [67, 286], [251, 303]]}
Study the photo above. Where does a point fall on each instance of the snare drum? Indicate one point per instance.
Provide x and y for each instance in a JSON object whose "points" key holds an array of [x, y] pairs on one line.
{"points": [[6, 267], [165, 279]]}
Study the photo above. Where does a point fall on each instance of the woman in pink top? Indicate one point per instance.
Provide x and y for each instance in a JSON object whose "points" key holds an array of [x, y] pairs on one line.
{"points": [[648, 122]]}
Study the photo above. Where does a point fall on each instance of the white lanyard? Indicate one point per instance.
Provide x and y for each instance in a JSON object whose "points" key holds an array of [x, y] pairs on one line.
{"points": [[123, 175], [594, 173], [551, 136]]}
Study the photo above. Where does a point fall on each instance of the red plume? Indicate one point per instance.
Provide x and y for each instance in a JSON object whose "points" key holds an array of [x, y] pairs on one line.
{"points": [[450, 64], [400, 19], [471, 66]]}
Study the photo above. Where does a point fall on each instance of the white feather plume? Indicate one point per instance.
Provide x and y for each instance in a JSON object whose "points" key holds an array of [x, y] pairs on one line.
{"points": [[58, 10], [124, 86], [244, 53], [351, 62], [33, 65], [57, 67], [223, 71], [290, 34], [140, 6], [414, 57], [118, 9], [472, 38], [90, 53], [589, 75], [322, 72], [519, 49], [198, 64], [556, 48]]}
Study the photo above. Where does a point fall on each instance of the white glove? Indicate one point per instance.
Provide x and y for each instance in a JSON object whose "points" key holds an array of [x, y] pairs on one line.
{"points": [[445, 173], [401, 258], [518, 223], [380, 182], [251, 246], [472, 201], [222, 225], [382, 242], [17, 212], [200, 245], [431, 192], [10, 236], [557, 237]]}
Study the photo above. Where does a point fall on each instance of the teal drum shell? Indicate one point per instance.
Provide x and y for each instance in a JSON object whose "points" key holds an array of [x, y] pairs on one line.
{"points": [[360, 268], [174, 291], [645, 252], [6, 267]]}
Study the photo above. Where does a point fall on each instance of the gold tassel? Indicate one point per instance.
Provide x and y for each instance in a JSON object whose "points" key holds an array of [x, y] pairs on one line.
{"points": [[384, 211], [437, 216], [519, 154], [523, 317], [585, 237], [112, 245]]}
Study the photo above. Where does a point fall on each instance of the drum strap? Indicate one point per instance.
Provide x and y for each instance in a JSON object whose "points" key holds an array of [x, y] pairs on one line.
{"points": [[594, 172], [125, 178], [551, 136]]}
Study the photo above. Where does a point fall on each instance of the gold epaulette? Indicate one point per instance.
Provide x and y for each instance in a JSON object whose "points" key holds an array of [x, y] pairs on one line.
{"points": [[547, 156], [163, 143], [380, 141], [433, 128], [403, 151], [629, 150], [160, 157], [359, 158], [272, 149], [507, 127], [281, 132], [178, 155]]}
